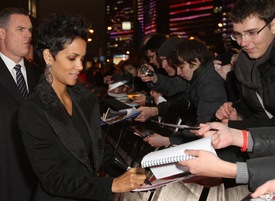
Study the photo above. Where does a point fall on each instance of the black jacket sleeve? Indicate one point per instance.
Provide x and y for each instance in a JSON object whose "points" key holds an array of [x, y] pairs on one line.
{"points": [[176, 106], [264, 141], [260, 170], [169, 86]]}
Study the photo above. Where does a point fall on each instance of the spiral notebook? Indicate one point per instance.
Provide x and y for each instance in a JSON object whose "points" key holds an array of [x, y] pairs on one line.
{"points": [[164, 163]]}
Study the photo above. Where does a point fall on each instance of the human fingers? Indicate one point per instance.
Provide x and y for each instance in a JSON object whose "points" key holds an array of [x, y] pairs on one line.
{"points": [[235, 50], [215, 140], [141, 101], [137, 170], [204, 130], [143, 77], [143, 116], [140, 109], [128, 181], [266, 188], [217, 64], [261, 190], [190, 163], [139, 176], [140, 118], [147, 139], [140, 97], [224, 111], [157, 140]]}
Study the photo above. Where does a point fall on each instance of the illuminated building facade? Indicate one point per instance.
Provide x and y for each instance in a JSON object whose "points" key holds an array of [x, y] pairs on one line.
{"points": [[119, 38], [204, 19], [191, 18]]}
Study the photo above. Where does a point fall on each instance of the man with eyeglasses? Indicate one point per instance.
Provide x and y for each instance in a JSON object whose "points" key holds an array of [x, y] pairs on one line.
{"points": [[255, 67]]}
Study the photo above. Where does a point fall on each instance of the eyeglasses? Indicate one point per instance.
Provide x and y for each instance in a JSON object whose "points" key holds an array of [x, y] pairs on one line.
{"points": [[250, 35], [151, 56]]}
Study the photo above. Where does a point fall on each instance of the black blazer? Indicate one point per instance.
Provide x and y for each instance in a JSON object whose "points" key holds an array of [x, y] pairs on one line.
{"points": [[57, 152], [16, 176]]}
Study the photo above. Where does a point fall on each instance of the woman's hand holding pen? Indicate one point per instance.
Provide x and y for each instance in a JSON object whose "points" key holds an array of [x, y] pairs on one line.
{"points": [[130, 180]]}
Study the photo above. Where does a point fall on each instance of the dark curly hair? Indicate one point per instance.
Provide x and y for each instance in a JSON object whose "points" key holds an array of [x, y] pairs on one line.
{"points": [[57, 30]]}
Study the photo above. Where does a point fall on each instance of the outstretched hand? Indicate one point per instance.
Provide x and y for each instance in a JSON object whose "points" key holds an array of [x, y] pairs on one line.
{"points": [[208, 164], [146, 112], [221, 138], [156, 140]]}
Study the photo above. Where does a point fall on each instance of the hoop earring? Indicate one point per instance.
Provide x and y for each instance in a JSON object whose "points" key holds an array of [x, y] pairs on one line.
{"points": [[47, 73]]}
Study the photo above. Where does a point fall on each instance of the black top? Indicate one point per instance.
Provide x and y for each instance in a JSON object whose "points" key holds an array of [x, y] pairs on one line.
{"points": [[82, 129]]}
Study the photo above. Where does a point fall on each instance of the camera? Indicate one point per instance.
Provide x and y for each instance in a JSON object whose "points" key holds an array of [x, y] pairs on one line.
{"points": [[144, 70]]}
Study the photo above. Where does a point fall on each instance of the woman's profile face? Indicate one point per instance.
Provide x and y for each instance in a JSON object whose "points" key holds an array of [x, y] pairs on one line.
{"points": [[131, 70], [68, 63]]}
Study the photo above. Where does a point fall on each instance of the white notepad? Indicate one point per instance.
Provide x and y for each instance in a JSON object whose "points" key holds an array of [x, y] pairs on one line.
{"points": [[164, 163]]}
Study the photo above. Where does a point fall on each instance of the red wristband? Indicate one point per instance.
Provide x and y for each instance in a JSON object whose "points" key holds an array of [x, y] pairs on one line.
{"points": [[245, 141]]}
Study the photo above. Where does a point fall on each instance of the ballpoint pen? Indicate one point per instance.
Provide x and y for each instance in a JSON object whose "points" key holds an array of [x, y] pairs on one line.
{"points": [[186, 127]]}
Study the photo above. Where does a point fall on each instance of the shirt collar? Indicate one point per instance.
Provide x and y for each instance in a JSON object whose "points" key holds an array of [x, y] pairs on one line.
{"points": [[9, 63]]}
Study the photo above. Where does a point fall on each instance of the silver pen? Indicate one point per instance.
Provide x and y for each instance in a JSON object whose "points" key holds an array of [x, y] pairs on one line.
{"points": [[186, 127]]}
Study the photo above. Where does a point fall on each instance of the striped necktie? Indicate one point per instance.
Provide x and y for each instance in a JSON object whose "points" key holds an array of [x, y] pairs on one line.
{"points": [[21, 84]]}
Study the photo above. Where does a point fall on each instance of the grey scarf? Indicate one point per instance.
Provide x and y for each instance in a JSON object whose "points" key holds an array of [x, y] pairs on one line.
{"points": [[247, 71]]}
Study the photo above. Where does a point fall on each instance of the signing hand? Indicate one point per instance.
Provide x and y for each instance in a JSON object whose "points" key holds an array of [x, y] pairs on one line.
{"points": [[130, 180]]}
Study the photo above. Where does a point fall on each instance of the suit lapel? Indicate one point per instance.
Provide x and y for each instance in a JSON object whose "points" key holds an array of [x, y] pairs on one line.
{"points": [[62, 124], [31, 75], [63, 127], [87, 105], [8, 83]]}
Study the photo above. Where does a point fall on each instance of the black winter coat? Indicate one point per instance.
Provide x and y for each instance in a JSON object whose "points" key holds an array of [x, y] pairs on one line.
{"points": [[65, 164], [256, 76], [262, 159]]}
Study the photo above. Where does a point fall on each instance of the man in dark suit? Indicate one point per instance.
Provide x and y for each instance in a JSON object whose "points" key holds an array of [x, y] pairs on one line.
{"points": [[17, 179]]}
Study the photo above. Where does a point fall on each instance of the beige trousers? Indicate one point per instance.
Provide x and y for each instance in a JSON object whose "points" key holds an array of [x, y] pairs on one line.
{"points": [[187, 192]]}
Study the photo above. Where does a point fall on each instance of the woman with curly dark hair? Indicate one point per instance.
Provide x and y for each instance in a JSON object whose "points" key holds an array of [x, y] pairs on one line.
{"points": [[60, 122]]}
